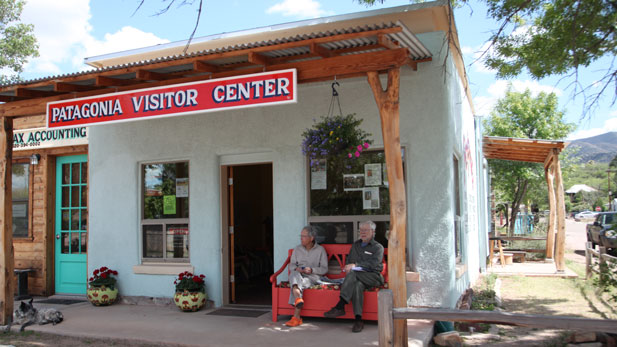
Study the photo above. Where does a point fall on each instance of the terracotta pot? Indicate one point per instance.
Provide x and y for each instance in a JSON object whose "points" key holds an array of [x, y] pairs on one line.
{"points": [[102, 296], [190, 301]]}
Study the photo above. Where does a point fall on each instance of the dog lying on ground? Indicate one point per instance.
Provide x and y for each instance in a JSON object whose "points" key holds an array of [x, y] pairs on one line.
{"points": [[26, 315]]}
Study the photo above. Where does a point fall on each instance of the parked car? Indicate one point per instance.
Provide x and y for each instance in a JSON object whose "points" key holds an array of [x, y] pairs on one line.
{"points": [[604, 221], [585, 215]]}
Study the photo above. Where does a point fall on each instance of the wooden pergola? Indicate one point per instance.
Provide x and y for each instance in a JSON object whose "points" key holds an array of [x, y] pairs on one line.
{"points": [[368, 50], [546, 152]]}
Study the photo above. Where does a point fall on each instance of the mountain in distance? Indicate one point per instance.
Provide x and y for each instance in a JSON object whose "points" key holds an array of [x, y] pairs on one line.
{"points": [[600, 148]]}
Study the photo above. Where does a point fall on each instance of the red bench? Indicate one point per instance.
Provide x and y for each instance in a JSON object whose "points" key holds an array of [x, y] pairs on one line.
{"points": [[321, 298]]}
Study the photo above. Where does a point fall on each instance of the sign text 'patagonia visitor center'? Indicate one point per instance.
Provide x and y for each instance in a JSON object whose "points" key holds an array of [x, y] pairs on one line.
{"points": [[278, 87]]}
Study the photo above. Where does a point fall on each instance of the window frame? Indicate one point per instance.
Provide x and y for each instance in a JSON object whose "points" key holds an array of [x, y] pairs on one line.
{"points": [[457, 208], [30, 236], [355, 219], [164, 222]]}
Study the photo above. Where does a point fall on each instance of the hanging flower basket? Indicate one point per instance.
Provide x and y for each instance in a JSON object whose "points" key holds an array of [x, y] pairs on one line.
{"points": [[335, 136]]}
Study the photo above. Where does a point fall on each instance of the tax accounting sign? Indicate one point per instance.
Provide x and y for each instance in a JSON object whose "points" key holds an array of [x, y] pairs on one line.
{"points": [[268, 88]]}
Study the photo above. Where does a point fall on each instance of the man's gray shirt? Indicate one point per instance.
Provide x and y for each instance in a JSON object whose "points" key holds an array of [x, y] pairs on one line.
{"points": [[368, 257]]}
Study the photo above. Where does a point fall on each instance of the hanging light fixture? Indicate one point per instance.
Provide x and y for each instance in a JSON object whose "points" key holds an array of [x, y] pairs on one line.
{"points": [[34, 159]]}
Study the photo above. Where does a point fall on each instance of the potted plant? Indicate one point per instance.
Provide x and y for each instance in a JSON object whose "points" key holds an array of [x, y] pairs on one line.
{"points": [[102, 288], [190, 291]]}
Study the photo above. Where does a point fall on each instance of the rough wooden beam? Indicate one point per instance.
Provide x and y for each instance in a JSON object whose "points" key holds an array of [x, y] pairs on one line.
{"points": [[308, 71], [258, 59], [114, 82], [146, 75], [204, 67], [552, 210], [33, 93], [6, 220], [11, 98], [70, 87], [213, 56], [319, 50], [388, 105], [499, 317], [560, 240], [386, 42]]}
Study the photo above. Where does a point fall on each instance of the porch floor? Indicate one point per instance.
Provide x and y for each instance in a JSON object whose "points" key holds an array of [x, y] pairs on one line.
{"points": [[167, 324], [530, 269]]}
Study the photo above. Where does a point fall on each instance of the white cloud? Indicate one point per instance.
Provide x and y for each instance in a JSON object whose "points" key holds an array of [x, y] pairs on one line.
{"points": [[484, 104], [298, 8], [63, 31], [609, 126]]}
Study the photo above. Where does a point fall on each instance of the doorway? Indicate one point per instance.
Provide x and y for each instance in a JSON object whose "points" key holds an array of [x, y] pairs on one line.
{"points": [[250, 245], [71, 227]]}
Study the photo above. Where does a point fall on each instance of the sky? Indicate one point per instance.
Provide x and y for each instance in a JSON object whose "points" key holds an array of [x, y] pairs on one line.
{"points": [[70, 30]]}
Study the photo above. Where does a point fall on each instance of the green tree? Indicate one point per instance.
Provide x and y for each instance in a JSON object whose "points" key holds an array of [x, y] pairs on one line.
{"points": [[522, 115], [17, 41], [552, 37]]}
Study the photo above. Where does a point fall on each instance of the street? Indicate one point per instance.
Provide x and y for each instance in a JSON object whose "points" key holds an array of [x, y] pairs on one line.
{"points": [[576, 239]]}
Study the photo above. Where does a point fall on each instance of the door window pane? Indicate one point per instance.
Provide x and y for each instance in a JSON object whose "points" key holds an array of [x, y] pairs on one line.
{"points": [[66, 173], [84, 173], [75, 198], [75, 243], [75, 173], [84, 242], [64, 243]]}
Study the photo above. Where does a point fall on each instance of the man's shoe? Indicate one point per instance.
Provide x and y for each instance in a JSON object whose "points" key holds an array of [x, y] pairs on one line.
{"points": [[334, 312], [299, 303], [294, 322], [357, 326]]}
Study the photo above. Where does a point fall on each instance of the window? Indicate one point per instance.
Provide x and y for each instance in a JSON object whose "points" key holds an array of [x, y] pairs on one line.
{"points": [[165, 212], [457, 210], [21, 194], [344, 192]]}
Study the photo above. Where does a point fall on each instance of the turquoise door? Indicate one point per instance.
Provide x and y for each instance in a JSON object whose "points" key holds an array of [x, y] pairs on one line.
{"points": [[71, 229]]}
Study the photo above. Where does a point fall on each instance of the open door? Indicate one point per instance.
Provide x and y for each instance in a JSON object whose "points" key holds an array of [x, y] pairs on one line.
{"points": [[250, 237]]}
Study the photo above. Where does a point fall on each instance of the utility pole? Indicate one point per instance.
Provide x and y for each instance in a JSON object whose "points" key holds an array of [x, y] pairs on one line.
{"points": [[608, 176]]}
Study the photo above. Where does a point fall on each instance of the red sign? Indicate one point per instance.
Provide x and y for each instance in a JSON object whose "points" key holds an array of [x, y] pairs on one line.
{"points": [[260, 89]]}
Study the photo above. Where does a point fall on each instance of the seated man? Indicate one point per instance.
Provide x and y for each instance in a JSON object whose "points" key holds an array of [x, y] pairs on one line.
{"points": [[363, 270], [308, 262]]}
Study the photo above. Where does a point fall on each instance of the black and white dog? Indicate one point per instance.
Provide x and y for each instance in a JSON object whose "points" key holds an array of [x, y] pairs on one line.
{"points": [[26, 315]]}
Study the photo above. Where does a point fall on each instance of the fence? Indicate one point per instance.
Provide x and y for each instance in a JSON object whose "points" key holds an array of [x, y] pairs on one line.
{"points": [[387, 314], [590, 261]]}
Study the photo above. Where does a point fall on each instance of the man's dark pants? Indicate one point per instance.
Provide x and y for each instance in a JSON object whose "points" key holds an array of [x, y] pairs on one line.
{"points": [[352, 289]]}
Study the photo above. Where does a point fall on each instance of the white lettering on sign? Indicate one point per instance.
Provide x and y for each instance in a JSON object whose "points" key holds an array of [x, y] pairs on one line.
{"points": [[243, 91], [90, 110], [163, 101]]}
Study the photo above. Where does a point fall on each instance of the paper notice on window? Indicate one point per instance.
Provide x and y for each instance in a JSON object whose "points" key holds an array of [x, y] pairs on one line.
{"points": [[353, 182], [372, 174], [319, 174], [182, 187], [370, 198], [169, 204]]}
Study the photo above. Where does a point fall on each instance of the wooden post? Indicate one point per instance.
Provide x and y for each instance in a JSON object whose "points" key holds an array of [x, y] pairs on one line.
{"points": [[601, 259], [588, 255], [6, 220], [384, 317], [388, 104], [560, 244], [550, 231]]}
